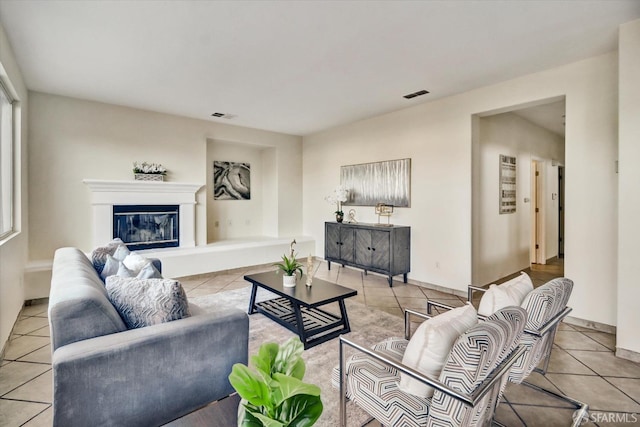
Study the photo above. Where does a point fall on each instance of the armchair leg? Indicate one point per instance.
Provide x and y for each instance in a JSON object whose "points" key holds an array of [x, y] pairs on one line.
{"points": [[582, 408], [343, 390]]}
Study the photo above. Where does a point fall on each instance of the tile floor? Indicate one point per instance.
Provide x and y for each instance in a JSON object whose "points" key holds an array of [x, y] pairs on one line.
{"points": [[582, 364]]}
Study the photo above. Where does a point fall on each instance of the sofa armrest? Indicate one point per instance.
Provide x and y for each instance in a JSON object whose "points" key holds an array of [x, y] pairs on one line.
{"points": [[148, 376]]}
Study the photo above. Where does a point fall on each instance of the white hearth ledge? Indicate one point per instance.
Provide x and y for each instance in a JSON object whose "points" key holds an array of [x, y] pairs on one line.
{"points": [[106, 193]]}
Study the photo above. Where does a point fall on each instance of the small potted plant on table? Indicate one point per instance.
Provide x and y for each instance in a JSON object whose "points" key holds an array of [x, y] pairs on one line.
{"points": [[289, 267]]}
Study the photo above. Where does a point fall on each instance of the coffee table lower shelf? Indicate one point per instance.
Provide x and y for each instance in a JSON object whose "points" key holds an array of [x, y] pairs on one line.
{"points": [[318, 325]]}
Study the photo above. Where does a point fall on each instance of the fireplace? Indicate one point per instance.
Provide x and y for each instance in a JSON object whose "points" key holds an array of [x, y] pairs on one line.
{"points": [[108, 196], [147, 226]]}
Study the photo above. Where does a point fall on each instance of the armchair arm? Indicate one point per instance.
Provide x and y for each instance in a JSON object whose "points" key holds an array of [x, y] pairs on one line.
{"points": [[431, 304], [148, 376], [407, 320], [551, 324], [470, 400], [471, 289]]}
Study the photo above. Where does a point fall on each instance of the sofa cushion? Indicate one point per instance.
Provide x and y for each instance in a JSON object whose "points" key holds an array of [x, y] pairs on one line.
{"points": [[429, 347], [146, 302], [78, 305]]}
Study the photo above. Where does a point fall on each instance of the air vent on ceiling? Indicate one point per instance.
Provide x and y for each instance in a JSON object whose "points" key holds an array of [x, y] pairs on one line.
{"points": [[223, 115], [418, 93]]}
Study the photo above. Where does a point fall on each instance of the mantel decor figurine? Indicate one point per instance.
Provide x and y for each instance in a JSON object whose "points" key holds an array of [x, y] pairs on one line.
{"points": [[384, 210], [338, 197], [148, 171], [309, 270], [352, 217]]}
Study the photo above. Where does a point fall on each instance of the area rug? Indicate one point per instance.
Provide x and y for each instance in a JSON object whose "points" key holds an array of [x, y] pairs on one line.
{"points": [[368, 327]]}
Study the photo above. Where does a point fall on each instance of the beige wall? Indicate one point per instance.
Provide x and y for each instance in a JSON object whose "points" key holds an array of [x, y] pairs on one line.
{"points": [[437, 136], [13, 251], [233, 219], [629, 188], [72, 139], [501, 243]]}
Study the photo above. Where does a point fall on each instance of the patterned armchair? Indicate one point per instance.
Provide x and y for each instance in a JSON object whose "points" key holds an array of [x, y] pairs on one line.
{"points": [[467, 391], [546, 307]]}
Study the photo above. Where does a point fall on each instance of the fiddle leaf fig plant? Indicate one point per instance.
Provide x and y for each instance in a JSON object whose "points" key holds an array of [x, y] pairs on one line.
{"points": [[273, 393]]}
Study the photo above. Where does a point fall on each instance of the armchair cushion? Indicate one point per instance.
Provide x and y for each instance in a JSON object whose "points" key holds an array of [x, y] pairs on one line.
{"points": [[511, 292], [429, 347]]}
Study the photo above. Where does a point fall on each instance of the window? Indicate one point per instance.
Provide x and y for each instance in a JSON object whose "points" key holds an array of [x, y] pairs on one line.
{"points": [[6, 163]]}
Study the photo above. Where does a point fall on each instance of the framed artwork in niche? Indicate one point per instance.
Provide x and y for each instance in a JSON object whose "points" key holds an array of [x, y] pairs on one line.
{"points": [[507, 184], [231, 180], [369, 184]]}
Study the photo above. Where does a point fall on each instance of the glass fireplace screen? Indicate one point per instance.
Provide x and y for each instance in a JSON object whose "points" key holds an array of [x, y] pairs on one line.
{"points": [[146, 227]]}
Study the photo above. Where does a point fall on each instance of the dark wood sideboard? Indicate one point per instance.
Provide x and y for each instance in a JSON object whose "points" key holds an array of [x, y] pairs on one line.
{"points": [[382, 249]]}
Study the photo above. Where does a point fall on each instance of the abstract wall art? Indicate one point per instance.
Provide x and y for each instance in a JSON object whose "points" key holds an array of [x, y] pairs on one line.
{"points": [[369, 184], [507, 184], [231, 180]]}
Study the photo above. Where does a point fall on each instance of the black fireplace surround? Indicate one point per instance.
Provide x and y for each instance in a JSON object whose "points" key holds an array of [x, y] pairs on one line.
{"points": [[147, 226]]}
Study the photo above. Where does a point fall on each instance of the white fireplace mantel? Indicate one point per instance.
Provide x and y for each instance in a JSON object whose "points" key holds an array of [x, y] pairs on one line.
{"points": [[105, 194]]}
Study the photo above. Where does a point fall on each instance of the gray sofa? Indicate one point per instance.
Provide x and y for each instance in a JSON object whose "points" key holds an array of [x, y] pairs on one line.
{"points": [[106, 375]]}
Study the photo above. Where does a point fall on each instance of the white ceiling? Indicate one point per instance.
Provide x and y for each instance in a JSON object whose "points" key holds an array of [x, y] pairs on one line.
{"points": [[296, 67]]}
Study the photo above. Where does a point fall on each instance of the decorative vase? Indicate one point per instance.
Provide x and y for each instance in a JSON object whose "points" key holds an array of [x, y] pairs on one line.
{"points": [[339, 217], [289, 281], [148, 177]]}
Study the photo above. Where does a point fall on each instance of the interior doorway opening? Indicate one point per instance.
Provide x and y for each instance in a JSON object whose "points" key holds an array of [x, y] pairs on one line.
{"points": [[505, 243]]}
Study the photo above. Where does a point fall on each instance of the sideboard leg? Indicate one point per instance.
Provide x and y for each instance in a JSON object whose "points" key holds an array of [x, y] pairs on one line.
{"points": [[390, 281], [404, 277], [329, 265]]}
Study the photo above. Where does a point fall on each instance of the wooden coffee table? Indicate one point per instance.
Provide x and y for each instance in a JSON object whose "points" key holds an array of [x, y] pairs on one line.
{"points": [[298, 308]]}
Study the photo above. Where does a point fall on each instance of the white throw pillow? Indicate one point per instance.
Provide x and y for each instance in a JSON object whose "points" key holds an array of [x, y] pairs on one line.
{"points": [[511, 292], [113, 267], [121, 252], [519, 287], [149, 271], [428, 349], [110, 267], [134, 262]]}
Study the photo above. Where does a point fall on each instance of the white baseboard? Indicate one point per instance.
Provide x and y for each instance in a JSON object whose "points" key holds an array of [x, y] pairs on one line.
{"points": [[623, 353], [596, 326]]}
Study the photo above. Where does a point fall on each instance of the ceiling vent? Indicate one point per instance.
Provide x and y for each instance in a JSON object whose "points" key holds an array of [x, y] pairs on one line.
{"points": [[223, 115], [418, 93]]}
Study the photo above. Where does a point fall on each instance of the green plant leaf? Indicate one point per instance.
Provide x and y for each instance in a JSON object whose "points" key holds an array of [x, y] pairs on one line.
{"points": [[297, 370], [290, 386], [264, 361], [269, 422], [288, 356], [250, 386], [302, 410], [246, 417]]}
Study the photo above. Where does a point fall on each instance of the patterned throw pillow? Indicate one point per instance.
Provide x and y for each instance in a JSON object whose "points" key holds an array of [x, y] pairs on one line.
{"points": [[146, 302], [100, 254]]}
